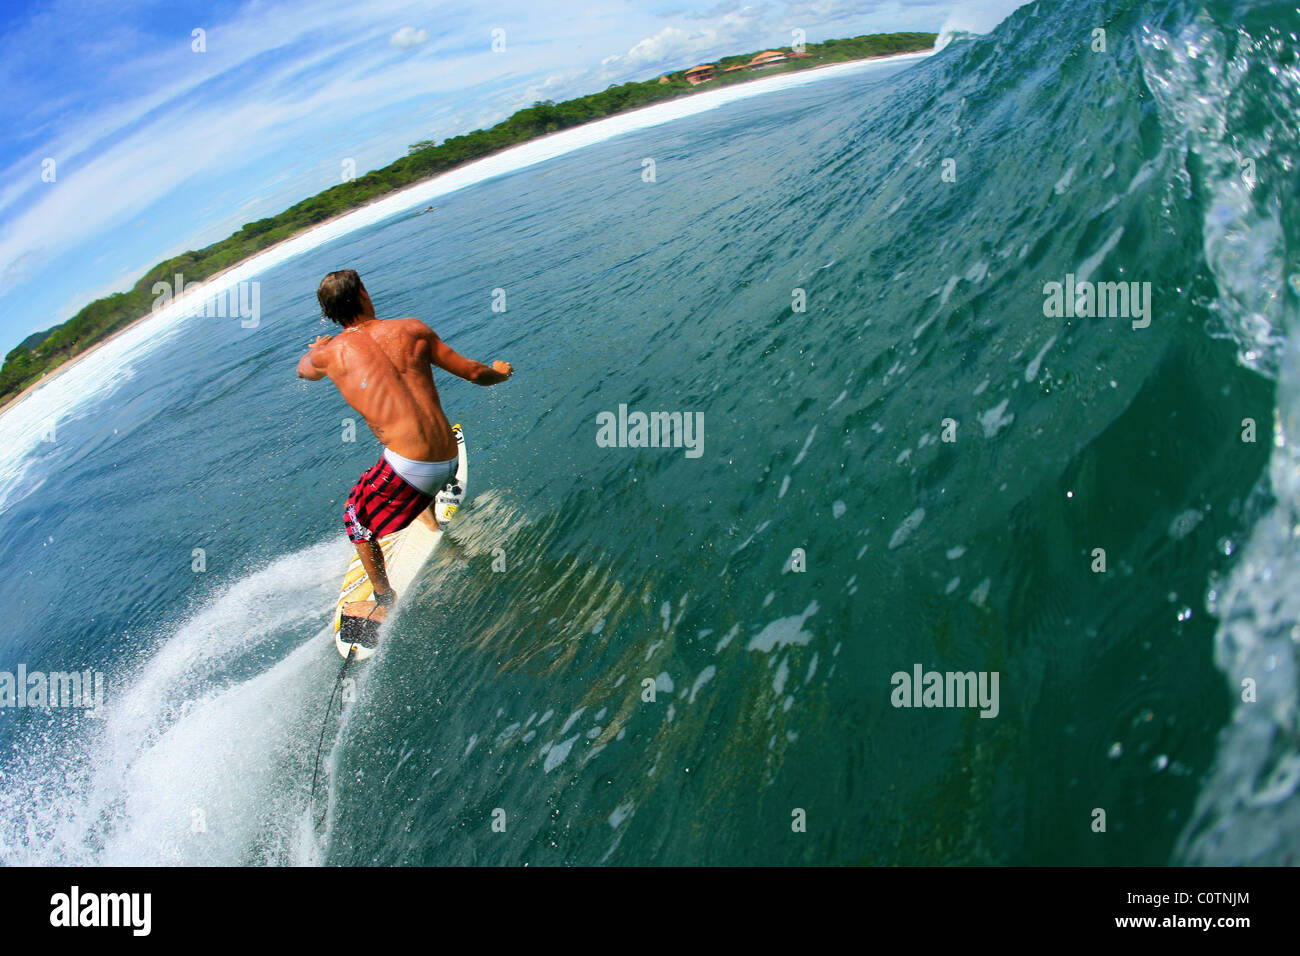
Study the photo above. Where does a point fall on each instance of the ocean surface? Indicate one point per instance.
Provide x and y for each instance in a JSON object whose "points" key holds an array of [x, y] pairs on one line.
{"points": [[634, 655]]}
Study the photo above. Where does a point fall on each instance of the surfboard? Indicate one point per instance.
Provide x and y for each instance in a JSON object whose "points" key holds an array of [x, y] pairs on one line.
{"points": [[405, 553]]}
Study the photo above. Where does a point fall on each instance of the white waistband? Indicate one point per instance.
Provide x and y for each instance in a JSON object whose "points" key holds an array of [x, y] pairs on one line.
{"points": [[428, 476]]}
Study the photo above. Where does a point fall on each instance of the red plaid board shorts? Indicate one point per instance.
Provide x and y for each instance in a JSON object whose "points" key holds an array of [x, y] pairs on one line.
{"points": [[381, 503]]}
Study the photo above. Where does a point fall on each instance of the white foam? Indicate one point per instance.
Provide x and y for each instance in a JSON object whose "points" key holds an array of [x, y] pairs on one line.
{"points": [[557, 754], [782, 675], [904, 530], [186, 747], [1031, 372], [807, 443], [784, 631], [703, 678], [996, 418], [1090, 264]]}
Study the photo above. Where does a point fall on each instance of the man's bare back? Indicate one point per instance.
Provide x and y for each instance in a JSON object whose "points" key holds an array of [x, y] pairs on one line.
{"points": [[382, 368]]}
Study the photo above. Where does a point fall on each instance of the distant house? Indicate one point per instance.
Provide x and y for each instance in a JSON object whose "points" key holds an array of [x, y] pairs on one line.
{"points": [[767, 58], [699, 74], [663, 79], [738, 66]]}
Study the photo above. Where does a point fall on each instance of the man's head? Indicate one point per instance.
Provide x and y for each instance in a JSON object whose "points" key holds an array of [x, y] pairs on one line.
{"points": [[342, 297]]}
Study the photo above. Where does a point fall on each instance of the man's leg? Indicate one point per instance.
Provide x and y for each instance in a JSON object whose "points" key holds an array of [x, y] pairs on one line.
{"points": [[372, 559]]}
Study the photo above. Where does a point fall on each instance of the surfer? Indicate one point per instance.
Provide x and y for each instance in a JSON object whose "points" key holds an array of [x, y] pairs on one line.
{"points": [[382, 368]]}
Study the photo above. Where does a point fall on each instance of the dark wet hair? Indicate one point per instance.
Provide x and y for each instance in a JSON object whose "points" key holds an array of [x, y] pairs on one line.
{"points": [[340, 296]]}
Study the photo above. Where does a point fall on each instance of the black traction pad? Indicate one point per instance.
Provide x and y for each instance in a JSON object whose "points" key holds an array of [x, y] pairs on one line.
{"points": [[360, 631]]}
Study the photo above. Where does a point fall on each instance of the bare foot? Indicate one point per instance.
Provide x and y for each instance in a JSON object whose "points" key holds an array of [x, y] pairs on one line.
{"points": [[428, 520], [367, 609]]}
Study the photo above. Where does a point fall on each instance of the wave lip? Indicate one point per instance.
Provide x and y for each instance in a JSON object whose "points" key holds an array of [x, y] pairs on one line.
{"points": [[1237, 118], [974, 18]]}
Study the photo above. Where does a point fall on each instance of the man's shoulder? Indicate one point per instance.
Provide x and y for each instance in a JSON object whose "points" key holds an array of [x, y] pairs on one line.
{"points": [[412, 324]]}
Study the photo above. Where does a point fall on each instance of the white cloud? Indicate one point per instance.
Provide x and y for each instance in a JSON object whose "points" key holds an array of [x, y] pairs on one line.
{"points": [[668, 43], [672, 46], [408, 37]]}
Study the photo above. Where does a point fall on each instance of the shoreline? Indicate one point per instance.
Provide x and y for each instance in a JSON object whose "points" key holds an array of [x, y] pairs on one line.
{"points": [[55, 372], [72, 360]]}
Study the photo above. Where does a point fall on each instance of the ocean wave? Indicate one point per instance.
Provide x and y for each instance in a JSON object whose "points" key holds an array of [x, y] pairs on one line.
{"points": [[1228, 98]]}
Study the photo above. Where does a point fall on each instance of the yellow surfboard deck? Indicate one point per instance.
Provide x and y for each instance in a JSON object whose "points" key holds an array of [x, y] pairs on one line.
{"points": [[405, 553]]}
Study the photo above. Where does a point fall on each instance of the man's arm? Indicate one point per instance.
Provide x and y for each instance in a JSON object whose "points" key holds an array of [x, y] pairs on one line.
{"points": [[312, 365], [449, 360]]}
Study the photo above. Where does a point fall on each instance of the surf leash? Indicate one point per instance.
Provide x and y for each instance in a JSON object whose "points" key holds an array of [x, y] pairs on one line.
{"points": [[325, 726]]}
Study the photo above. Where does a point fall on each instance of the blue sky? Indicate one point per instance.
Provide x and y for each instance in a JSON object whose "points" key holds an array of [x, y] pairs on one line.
{"points": [[158, 148]]}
